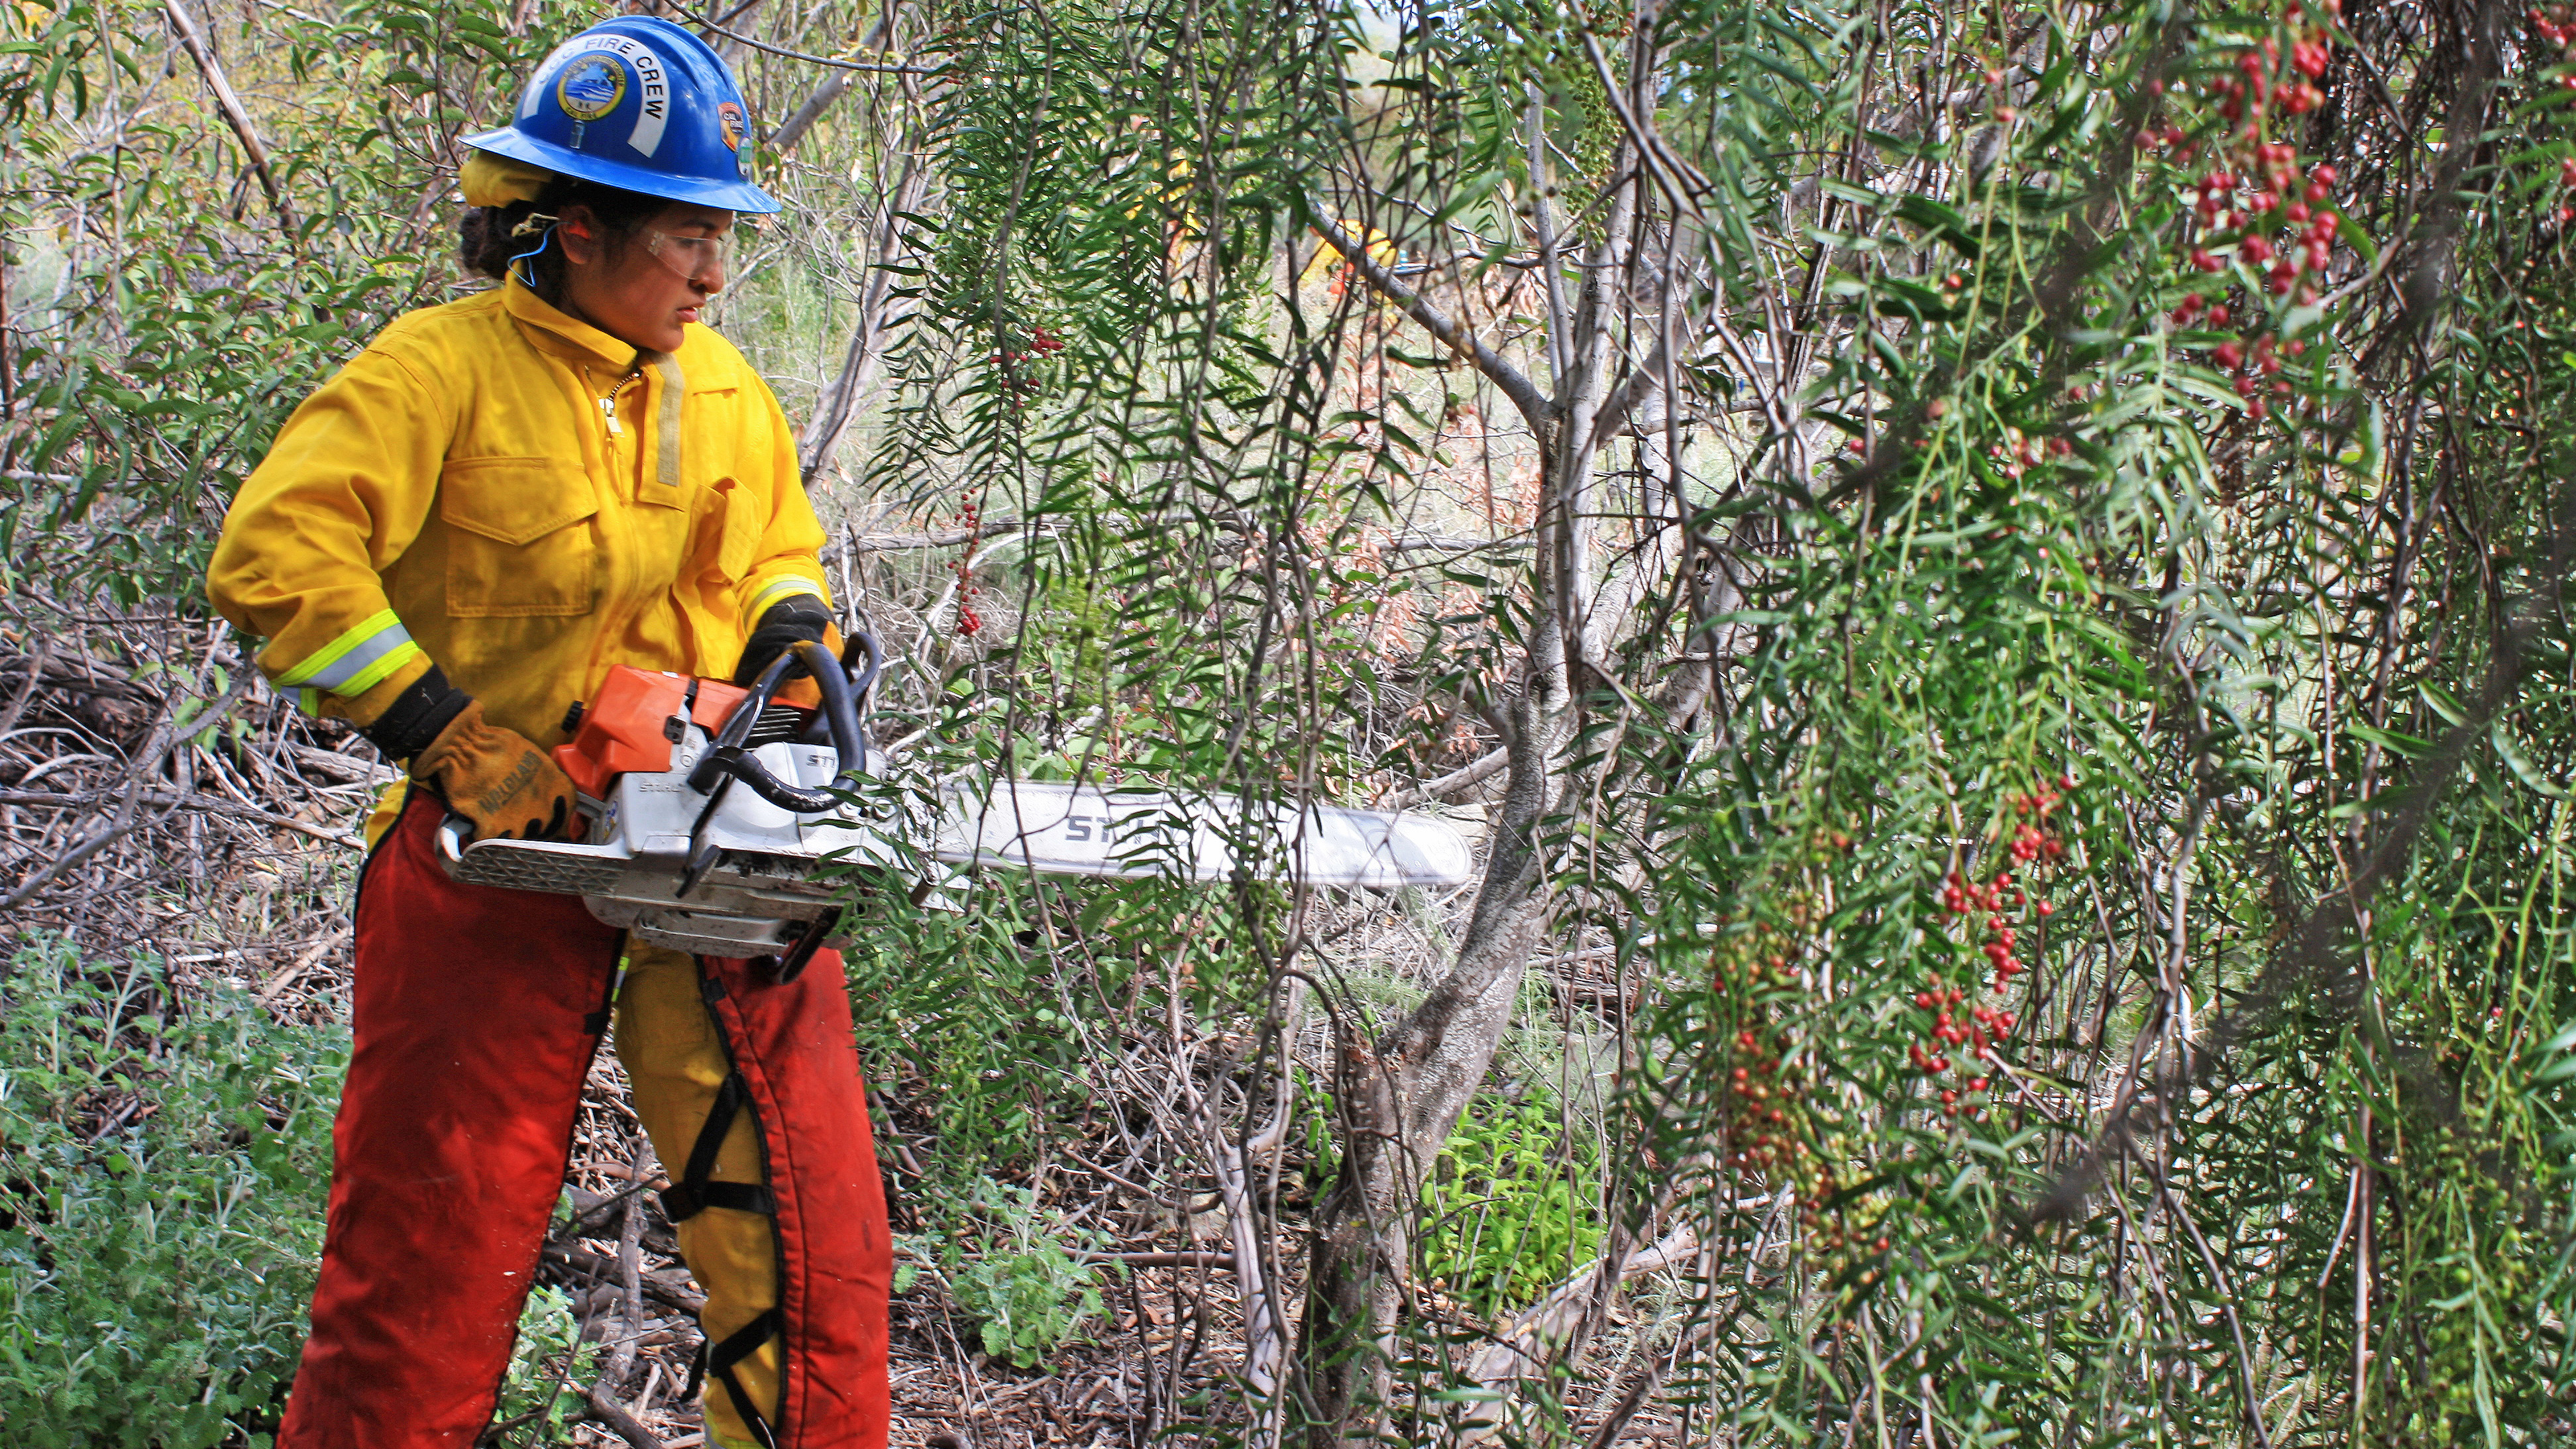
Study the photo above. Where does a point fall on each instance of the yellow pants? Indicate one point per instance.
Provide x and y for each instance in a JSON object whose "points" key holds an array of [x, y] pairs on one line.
{"points": [[676, 1062]]}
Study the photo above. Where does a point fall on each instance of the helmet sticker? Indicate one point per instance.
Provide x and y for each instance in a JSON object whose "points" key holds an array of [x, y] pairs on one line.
{"points": [[590, 87], [729, 118], [656, 111], [547, 69]]}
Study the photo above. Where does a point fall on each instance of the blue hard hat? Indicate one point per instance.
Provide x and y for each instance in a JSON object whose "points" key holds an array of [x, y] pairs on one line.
{"points": [[639, 104]]}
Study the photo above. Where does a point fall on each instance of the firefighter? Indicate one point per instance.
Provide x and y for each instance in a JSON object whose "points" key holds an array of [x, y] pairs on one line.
{"points": [[449, 544]]}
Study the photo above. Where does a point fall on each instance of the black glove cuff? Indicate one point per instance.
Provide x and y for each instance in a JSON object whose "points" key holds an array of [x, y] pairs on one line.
{"points": [[417, 716], [788, 622], [804, 611]]}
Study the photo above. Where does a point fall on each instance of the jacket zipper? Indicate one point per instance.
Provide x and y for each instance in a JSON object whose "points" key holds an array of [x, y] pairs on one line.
{"points": [[608, 404], [612, 521]]}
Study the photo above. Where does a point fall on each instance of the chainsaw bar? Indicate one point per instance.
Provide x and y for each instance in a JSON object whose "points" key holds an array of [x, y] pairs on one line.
{"points": [[1059, 829]]}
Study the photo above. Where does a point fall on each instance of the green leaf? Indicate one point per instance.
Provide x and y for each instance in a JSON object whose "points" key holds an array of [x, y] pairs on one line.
{"points": [[2524, 768]]}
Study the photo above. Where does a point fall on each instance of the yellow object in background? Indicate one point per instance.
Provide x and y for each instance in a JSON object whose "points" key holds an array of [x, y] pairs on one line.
{"points": [[1378, 246]]}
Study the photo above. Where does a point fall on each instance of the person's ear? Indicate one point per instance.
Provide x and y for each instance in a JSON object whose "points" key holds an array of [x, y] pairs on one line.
{"points": [[578, 234]]}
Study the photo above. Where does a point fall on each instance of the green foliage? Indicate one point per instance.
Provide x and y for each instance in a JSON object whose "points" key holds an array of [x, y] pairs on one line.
{"points": [[957, 1001], [1513, 1207], [550, 1371], [163, 1186], [1010, 1271], [187, 313]]}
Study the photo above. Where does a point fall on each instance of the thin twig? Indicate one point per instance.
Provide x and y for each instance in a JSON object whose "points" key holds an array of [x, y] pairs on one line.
{"points": [[193, 41]]}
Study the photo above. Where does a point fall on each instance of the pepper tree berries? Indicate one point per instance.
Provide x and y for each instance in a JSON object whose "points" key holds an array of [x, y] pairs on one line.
{"points": [[1764, 1085], [2257, 201], [969, 623], [1965, 1034], [1017, 385], [2556, 25]]}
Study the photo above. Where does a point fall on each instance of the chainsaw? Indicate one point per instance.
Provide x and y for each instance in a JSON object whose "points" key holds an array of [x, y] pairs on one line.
{"points": [[723, 821]]}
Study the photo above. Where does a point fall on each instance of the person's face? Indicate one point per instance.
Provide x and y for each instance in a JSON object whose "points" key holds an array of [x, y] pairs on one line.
{"points": [[644, 287]]}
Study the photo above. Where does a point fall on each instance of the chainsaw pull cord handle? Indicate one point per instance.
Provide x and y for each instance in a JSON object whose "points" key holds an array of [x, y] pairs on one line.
{"points": [[726, 757]]}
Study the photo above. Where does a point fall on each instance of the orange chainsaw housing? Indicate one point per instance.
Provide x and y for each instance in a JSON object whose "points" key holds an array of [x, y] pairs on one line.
{"points": [[632, 725]]}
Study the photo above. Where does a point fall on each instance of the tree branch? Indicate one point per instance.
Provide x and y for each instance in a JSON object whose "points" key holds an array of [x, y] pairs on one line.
{"points": [[619, 1422], [2312, 963], [1451, 783], [1534, 406], [193, 41], [801, 120]]}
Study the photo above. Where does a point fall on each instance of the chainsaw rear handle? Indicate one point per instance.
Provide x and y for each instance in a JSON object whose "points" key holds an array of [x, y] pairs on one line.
{"points": [[725, 755], [456, 832]]}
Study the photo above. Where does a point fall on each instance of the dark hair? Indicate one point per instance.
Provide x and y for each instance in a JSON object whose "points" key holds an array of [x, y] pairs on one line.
{"points": [[488, 236]]}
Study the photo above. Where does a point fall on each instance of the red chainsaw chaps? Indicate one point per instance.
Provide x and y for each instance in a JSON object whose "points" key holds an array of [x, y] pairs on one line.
{"points": [[474, 1020]]}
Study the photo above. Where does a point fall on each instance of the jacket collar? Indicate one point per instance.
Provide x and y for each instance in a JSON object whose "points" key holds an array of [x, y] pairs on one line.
{"points": [[558, 332]]}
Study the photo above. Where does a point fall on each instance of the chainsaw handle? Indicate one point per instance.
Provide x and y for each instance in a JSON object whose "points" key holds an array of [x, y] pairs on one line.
{"points": [[862, 683], [456, 832], [725, 755], [825, 726]]}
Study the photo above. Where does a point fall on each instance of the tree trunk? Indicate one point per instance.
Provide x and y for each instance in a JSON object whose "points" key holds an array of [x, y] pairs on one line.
{"points": [[1402, 1096]]}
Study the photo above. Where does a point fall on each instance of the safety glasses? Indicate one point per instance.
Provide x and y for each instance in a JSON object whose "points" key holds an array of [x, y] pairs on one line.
{"points": [[703, 260]]}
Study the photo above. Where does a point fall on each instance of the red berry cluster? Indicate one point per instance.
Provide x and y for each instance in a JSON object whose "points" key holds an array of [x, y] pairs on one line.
{"points": [[2260, 86], [2032, 840], [2301, 240], [1974, 1033], [1763, 1091], [1763, 1095], [1042, 343], [2556, 24], [2255, 370], [2256, 198], [2018, 453], [969, 623], [1772, 1098]]}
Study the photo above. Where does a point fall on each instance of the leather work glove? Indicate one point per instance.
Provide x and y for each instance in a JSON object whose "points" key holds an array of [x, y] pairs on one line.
{"points": [[787, 622], [497, 778]]}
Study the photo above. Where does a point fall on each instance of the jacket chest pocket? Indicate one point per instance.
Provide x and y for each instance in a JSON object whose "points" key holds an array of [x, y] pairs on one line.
{"points": [[519, 542], [727, 533]]}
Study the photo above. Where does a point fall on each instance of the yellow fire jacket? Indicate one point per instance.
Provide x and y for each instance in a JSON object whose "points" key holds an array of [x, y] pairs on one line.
{"points": [[524, 500]]}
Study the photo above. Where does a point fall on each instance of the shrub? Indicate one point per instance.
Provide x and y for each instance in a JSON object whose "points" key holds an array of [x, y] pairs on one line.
{"points": [[1015, 1279], [550, 1369], [1512, 1207], [162, 1183]]}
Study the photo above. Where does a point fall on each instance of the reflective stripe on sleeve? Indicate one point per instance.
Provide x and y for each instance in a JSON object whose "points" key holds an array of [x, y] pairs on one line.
{"points": [[358, 660], [779, 589]]}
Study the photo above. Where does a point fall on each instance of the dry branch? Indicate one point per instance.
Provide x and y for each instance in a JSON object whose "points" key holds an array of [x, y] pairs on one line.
{"points": [[1456, 782], [193, 40], [1550, 1326], [1534, 406]]}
